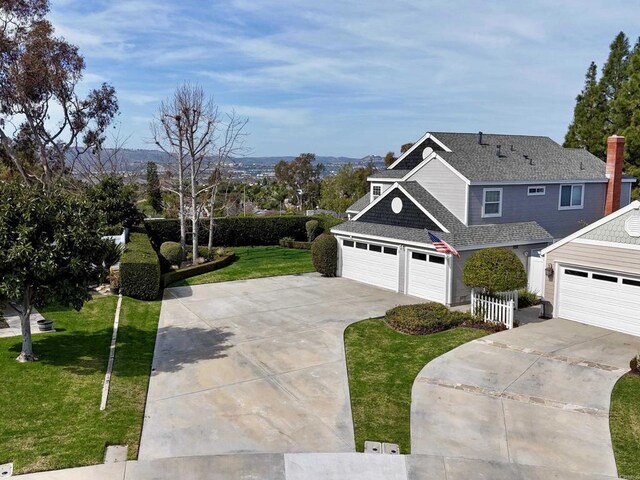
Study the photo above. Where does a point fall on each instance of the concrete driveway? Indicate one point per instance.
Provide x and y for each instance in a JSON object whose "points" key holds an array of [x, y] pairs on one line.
{"points": [[536, 395], [255, 366]]}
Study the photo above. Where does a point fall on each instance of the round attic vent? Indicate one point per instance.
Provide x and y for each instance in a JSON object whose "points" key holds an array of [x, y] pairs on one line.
{"points": [[396, 205], [426, 152], [632, 226]]}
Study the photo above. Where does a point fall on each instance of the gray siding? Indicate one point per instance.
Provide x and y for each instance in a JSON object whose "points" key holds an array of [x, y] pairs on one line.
{"points": [[461, 294], [444, 185], [589, 256], [517, 206]]}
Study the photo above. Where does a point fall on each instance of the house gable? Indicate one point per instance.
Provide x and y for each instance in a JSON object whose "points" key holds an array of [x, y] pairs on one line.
{"points": [[410, 215], [413, 157]]}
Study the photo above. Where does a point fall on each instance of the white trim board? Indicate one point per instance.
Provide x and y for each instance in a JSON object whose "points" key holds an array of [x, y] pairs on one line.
{"points": [[543, 182], [603, 243], [632, 206], [415, 202], [432, 156]]}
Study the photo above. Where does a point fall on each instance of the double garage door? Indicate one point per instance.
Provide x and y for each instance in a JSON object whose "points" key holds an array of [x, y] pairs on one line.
{"points": [[604, 299], [379, 265]]}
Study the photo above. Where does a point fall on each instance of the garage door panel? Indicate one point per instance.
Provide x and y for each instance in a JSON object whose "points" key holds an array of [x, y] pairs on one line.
{"points": [[371, 266], [425, 278], [591, 300]]}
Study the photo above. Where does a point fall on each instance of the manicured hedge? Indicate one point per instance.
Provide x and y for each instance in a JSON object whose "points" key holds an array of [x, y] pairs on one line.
{"points": [[239, 231], [140, 269], [177, 275], [324, 253]]}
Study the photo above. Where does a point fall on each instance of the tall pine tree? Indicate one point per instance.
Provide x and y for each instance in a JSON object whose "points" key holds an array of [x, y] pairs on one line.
{"points": [[153, 193], [614, 73], [626, 114], [589, 116]]}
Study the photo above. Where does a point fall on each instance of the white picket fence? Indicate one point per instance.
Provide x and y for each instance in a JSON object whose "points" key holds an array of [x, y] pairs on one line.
{"points": [[498, 308]]}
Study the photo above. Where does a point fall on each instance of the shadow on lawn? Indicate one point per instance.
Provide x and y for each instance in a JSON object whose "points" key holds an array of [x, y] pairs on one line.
{"points": [[86, 353]]}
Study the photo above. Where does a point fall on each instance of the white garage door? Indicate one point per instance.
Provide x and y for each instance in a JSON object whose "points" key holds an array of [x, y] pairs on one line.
{"points": [[426, 277], [370, 263], [603, 299]]}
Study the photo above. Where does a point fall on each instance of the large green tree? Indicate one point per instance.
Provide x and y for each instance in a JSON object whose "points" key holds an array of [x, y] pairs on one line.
{"points": [[39, 75], [587, 130], [348, 184], [116, 201], [302, 178], [50, 250], [626, 113]]}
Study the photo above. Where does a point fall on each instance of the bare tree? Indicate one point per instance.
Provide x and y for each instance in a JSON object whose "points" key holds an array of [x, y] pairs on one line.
{"points": [[169, 132], [39, 75], [231, 144], [100, 161], [191, 131]]}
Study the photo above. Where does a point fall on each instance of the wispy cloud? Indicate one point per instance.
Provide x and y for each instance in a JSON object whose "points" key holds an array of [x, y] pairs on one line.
{"points": [[350, 78]]}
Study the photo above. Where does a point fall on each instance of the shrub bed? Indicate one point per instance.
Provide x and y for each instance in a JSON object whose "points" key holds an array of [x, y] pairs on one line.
{"points": [[140, 269], [177, 275], [239, 231], [171, 253], [423, 318]]}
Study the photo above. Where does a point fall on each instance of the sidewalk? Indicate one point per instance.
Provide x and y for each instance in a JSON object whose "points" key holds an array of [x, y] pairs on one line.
{"points": [[13, 320]]}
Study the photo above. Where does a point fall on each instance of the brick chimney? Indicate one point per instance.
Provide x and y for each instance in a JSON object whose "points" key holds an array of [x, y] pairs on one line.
{"points": [[615, 160]]}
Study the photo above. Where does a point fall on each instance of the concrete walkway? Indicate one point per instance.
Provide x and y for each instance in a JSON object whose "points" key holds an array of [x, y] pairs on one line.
{"points": [[12, 318], [536, 395], [255, 366], [313, 466]]}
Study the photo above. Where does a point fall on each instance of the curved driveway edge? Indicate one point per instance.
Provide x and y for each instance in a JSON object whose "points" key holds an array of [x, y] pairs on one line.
{"points": [[535, 395]]}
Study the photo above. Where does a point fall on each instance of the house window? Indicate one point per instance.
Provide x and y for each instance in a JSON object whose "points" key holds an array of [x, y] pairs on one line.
{"points": [[571, 197], [576, 273], [348, 243], [376, 190], [375, 248], [361, 246], [436, 259], [419, 256], [492, 202], [532, 191], [390, 251]]}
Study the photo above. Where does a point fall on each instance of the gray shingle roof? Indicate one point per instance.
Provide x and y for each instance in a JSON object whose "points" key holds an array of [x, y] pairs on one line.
{"points": [[507, 233], [546, 160], [360, 204], [398, 173]]}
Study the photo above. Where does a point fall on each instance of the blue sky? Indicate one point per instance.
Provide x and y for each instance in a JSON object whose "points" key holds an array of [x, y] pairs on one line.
{"points": [[348, 78]]}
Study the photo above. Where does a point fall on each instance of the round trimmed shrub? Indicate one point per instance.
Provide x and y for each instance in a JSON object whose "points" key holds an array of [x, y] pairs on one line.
{"points": [[423, 318], [312, 227], [324, 252], [172, 252], [494, 270]]}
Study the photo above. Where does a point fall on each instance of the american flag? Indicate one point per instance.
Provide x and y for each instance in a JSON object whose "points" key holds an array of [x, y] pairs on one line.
{"points": [[441, 245]]}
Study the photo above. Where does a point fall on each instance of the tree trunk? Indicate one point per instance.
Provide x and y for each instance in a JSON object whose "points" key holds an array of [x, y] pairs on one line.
{"points": [[182, 216], [213, 206], [194, 214], [26, 355]]}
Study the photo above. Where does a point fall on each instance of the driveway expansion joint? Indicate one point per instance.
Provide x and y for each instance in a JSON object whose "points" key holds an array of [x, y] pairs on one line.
{"points": [[553, 356], [518, 397]]}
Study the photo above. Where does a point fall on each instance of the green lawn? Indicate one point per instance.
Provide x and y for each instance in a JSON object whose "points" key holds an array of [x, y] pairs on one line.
{"points": [[382, 366], [257, 262], [624, 421], [50, 416]]}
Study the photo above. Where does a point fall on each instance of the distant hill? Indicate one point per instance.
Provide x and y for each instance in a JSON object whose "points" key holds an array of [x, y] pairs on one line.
{"points": [[138, 158]]}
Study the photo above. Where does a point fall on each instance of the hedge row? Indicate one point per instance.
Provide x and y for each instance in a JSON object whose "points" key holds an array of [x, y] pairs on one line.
{"points": [[238, 231], [177, 275], [140, 269]]}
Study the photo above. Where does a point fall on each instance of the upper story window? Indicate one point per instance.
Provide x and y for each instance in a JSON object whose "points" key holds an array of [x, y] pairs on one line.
{"points": [[492, 202], [376, 190], [571, 197], [537, 190]]}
